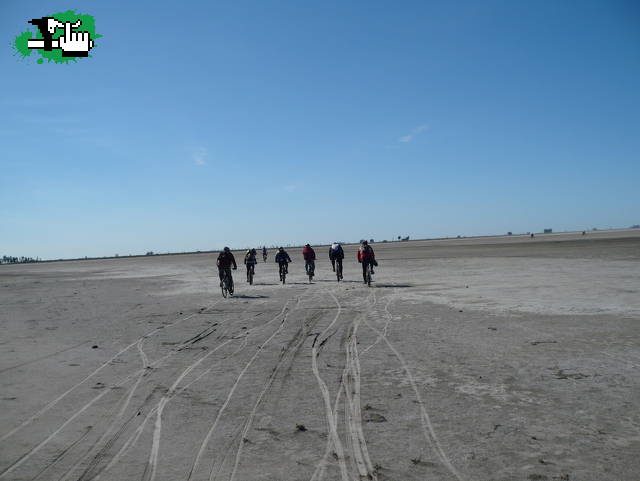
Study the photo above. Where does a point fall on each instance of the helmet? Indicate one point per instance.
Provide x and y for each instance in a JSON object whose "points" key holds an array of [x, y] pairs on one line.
{"points": [[226, 249], [307, 245], [253, 251], [280, 248], [364, 242]]}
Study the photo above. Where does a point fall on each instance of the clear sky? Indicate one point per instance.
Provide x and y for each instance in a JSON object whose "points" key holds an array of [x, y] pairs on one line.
{"points": [[199, 124]]}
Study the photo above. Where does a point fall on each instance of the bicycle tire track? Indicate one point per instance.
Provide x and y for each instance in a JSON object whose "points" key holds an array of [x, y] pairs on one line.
{"points": [[129, 395], [427, 426], [300, 336], [133, 439], [353, 415], [62, 453], [329, 414], [90, 403], [135, 436], [207, 437], [153, 456], [51, 404], [321, 467]]}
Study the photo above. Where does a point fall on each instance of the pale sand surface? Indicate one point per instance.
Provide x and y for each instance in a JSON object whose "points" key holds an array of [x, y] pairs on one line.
{"points": [[503, 358]]}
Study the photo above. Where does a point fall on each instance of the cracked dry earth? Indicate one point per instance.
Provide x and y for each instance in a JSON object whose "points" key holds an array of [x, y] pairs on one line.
{"points": [[486, 359]]}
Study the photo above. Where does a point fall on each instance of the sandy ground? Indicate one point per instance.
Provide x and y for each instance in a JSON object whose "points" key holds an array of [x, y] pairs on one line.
{"points": [[470, 359]]}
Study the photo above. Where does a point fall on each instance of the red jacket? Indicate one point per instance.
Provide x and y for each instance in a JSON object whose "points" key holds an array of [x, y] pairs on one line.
{"points": [[309, 254], [365, 253]]}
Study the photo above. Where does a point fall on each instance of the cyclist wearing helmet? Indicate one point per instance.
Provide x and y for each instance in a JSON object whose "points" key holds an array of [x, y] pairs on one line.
{"points": [[250, 261], [336, 254], [224, 262], [309, 259], [283, 258], [366, 256]]}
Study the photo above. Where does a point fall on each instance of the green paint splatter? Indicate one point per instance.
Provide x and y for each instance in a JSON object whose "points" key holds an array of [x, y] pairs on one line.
{"points": [[20, 44], [55, 55]]}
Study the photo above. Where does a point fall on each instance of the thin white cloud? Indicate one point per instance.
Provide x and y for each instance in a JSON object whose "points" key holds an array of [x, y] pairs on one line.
{"points": [[412, 135], [200, 156]]}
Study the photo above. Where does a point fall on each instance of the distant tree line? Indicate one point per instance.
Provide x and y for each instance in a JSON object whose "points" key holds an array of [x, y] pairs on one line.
{"points": [[18, 260]]}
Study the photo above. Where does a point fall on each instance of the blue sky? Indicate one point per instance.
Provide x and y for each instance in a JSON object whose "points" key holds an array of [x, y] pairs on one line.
{"points": [[199, 124]]}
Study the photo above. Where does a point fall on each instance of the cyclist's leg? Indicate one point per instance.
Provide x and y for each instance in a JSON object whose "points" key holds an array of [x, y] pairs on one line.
{"points": [[228, 269], [364, 269], [340, 266], [220, 274], [333, 264]]}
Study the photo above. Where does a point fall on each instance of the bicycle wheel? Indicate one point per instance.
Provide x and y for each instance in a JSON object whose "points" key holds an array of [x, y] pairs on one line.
{"points": [[369, 275], [283, 274], [224, 287], [251, 276], [338, 271]]}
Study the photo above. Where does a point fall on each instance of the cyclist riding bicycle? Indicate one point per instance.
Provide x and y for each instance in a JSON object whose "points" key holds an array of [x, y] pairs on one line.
{"points": [[282, 258], [224, 263], [264, 253], [336, 254], [309, 259], [250, 261], [366, 257]]}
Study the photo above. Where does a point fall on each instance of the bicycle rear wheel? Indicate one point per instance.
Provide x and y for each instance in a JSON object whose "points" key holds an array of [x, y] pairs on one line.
{"points": [[250, 275], [369, 275]]}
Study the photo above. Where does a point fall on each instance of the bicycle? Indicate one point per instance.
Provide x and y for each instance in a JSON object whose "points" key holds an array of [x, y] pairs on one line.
{"points": [[309, 267], [227, 284], [264, 257], [368, 274], [250, 273], [283, 272]]}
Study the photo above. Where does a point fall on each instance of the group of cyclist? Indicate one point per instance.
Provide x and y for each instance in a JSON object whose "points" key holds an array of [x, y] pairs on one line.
{"points": [[226, 261]]}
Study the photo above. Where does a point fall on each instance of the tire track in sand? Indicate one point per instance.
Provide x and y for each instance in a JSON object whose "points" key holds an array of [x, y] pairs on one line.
{"points": [[427, 426], [132, 440], [152, 464], [301, 336], [51, 404], [110, 428], [206, 439], [321, 467], [353, 415], [333, 437], [78, 412]]}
